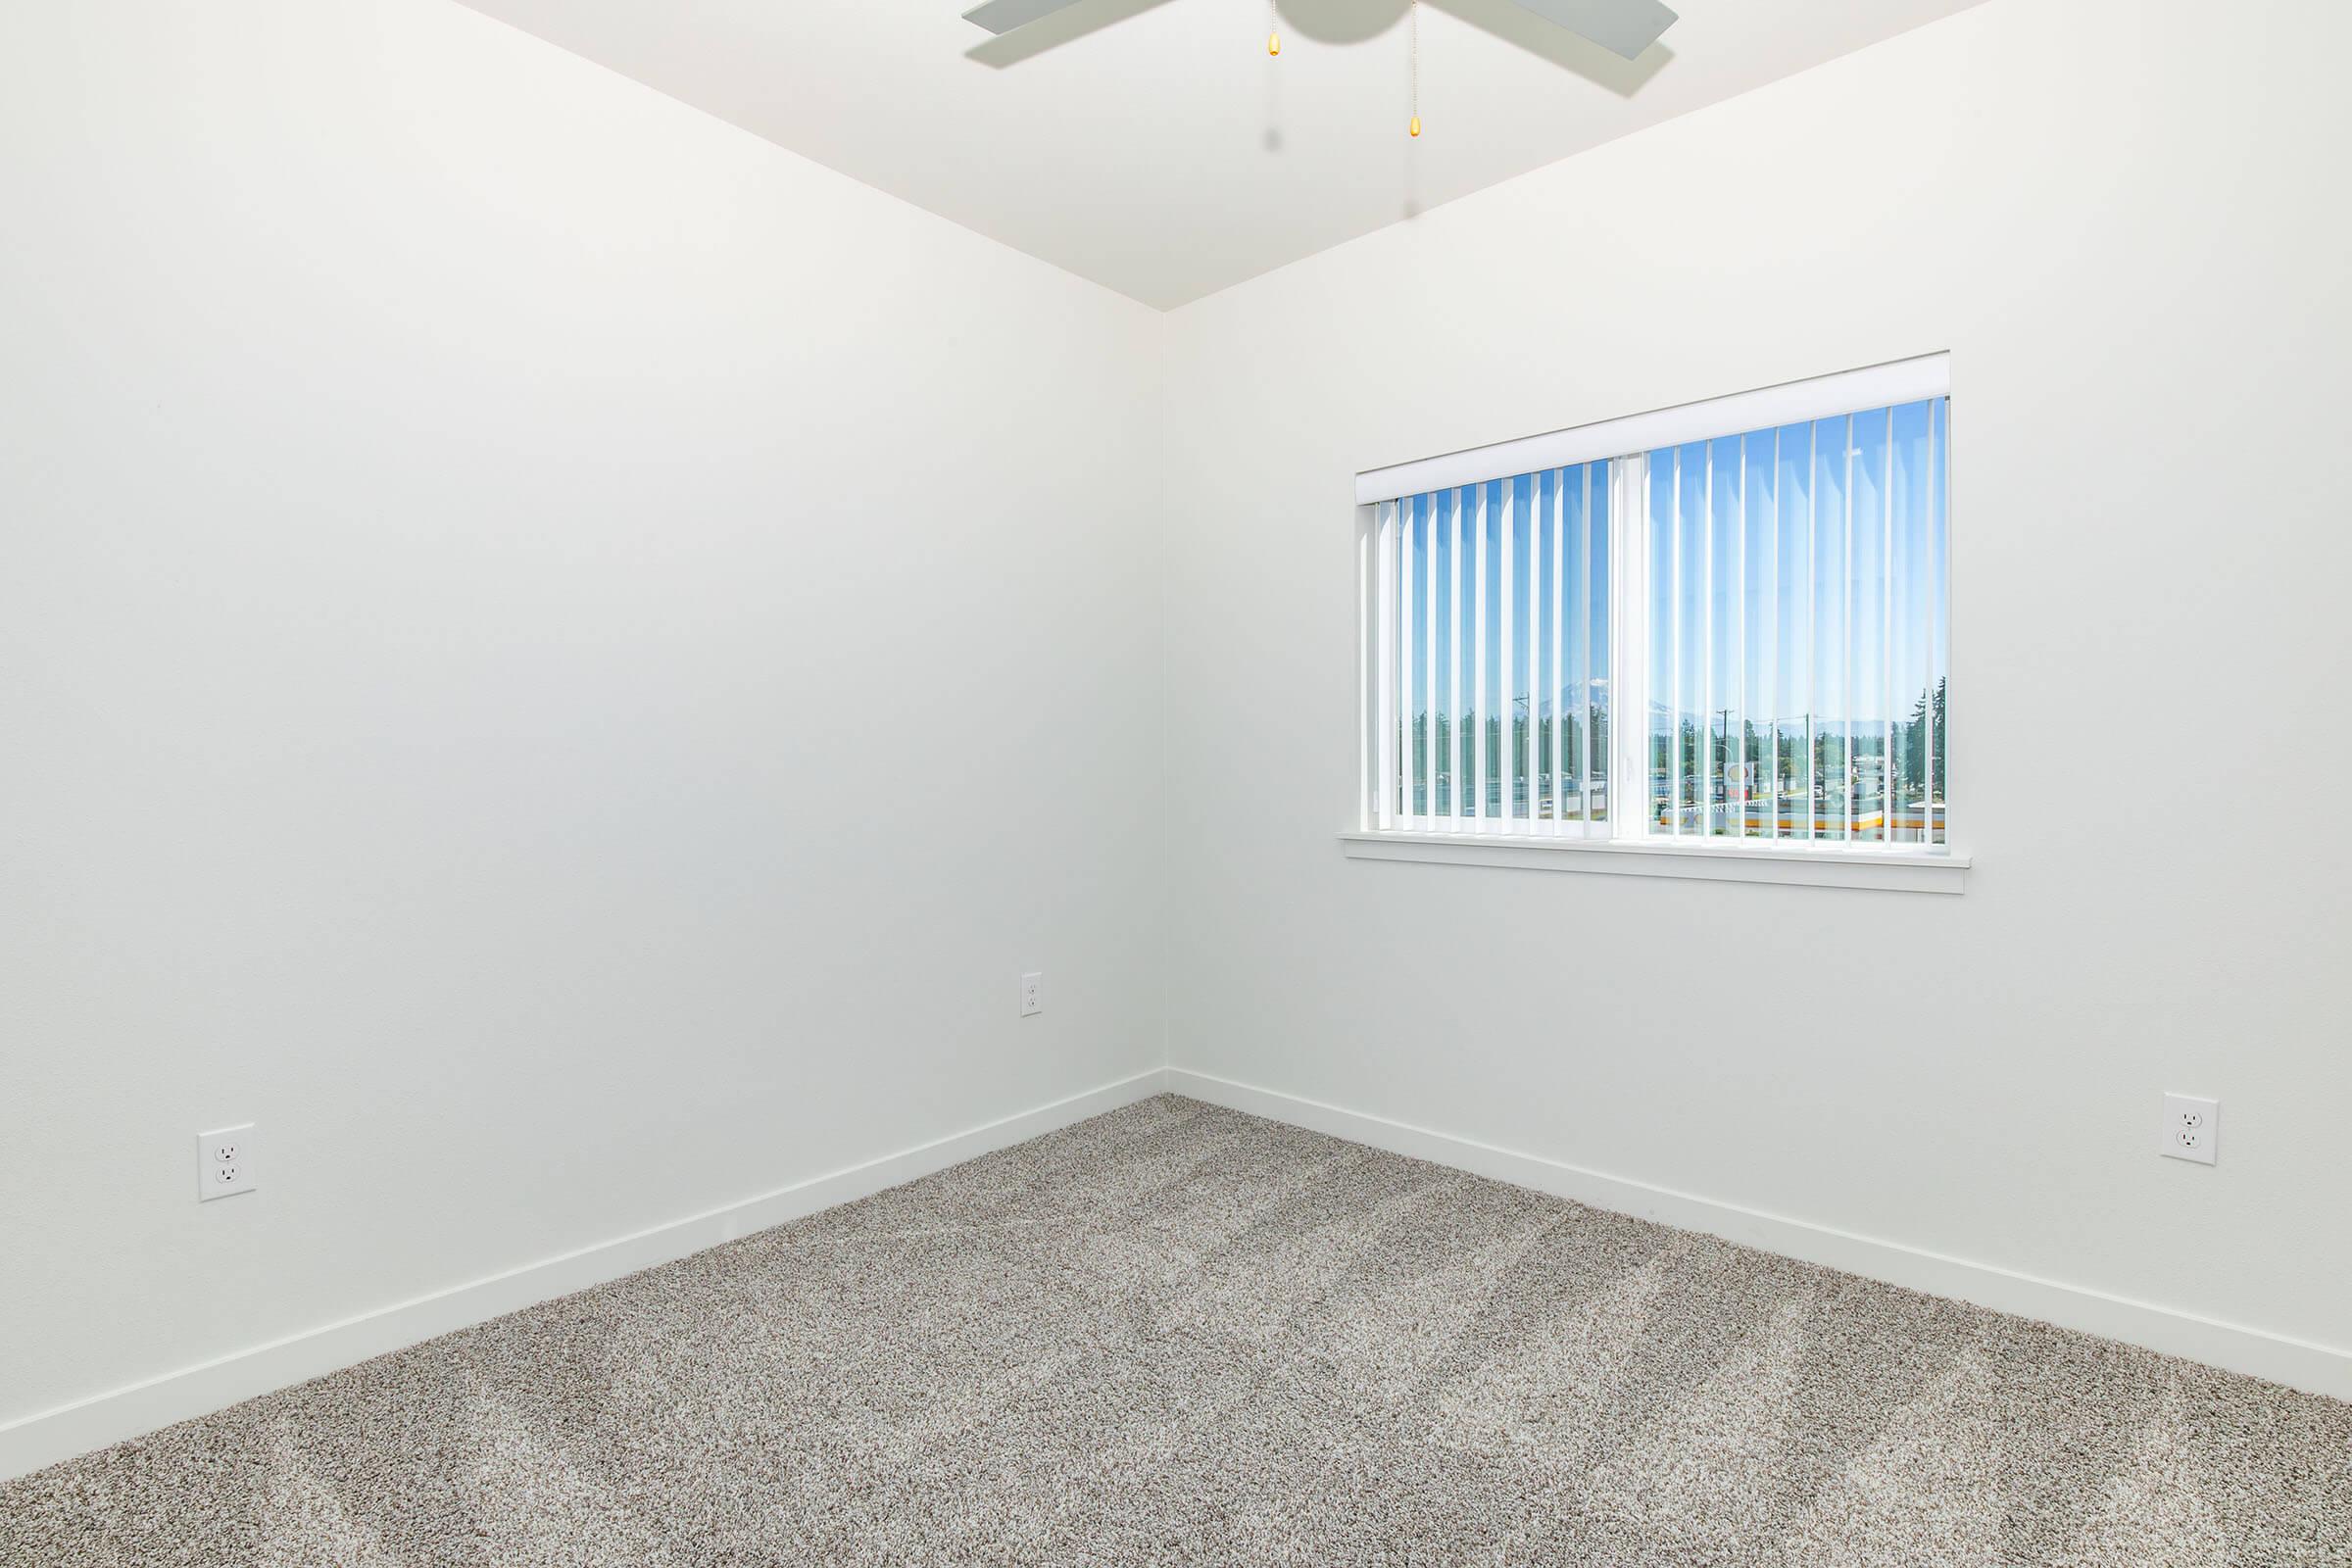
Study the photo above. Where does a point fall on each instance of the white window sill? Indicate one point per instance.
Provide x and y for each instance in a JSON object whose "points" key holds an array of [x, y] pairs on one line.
{"points": [[1896, 869]]}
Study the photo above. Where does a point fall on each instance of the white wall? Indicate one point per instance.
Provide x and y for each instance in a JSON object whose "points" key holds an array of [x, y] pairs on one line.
{"points": [[562, 658], [2124, 220]]}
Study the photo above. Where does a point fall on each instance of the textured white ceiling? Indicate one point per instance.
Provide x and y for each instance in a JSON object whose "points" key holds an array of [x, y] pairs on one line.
{"points": [[1152, 145]]}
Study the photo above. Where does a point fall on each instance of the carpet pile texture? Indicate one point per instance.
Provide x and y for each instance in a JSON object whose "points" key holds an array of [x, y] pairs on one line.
{"points": [[1176, 1334]]}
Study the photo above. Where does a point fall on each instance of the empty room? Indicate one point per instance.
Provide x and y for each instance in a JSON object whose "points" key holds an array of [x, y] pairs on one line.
{"points": [[1175, 782]]}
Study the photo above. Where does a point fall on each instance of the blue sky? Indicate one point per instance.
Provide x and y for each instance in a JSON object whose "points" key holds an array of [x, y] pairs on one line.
{"points": [[1751, 574], [1836, 530]]}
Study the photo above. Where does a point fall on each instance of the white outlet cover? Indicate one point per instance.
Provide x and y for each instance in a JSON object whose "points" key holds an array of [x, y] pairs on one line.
{"points": [[2191, 1130], [225, 1162], [1033, 993]]}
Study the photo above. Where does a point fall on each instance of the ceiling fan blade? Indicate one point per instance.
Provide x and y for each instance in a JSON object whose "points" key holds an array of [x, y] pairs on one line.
{"points": [[1002, 16], [1624, 26]]}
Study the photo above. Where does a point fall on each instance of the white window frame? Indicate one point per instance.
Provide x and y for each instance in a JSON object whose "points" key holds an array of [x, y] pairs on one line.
{"points": [[1625, 845]]}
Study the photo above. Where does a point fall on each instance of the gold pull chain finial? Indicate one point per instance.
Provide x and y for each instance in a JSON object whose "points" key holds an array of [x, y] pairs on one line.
{"points": [[1414, 21]]}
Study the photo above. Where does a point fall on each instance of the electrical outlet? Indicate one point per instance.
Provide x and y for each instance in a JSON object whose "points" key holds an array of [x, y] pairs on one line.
{"points": [[1033, 993], [225, 1164], [2193, 1128]]}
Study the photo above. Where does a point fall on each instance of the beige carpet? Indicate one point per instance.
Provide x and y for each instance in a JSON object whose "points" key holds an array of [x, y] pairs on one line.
{"points": [[1180, 1335]]}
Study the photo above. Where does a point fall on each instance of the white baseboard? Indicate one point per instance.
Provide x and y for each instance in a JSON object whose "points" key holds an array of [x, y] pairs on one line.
{"points": [[2298, 1363], [49, 1436]]}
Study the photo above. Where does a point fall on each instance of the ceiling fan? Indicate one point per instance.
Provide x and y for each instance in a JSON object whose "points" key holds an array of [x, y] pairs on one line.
{"points": [[1625, 27]]}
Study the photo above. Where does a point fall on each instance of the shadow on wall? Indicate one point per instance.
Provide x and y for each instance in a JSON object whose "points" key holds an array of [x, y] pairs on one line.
{"points": [[1352, 22]]}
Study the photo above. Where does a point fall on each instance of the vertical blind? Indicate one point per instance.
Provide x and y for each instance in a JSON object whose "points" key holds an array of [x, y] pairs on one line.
{"points": [[1777, 604], [1799, 641], [1493, 656]]}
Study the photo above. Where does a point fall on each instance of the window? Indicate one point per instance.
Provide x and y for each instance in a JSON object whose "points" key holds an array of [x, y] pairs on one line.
{"points": [[1720, 628]]}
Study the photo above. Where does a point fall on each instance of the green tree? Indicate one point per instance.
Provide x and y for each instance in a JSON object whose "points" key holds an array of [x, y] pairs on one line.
{"points": [[1925, 724]]}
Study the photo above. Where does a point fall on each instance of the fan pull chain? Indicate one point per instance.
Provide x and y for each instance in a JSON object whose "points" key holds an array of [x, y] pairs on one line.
{"points": [[1274, 31], [1415, 22]]}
